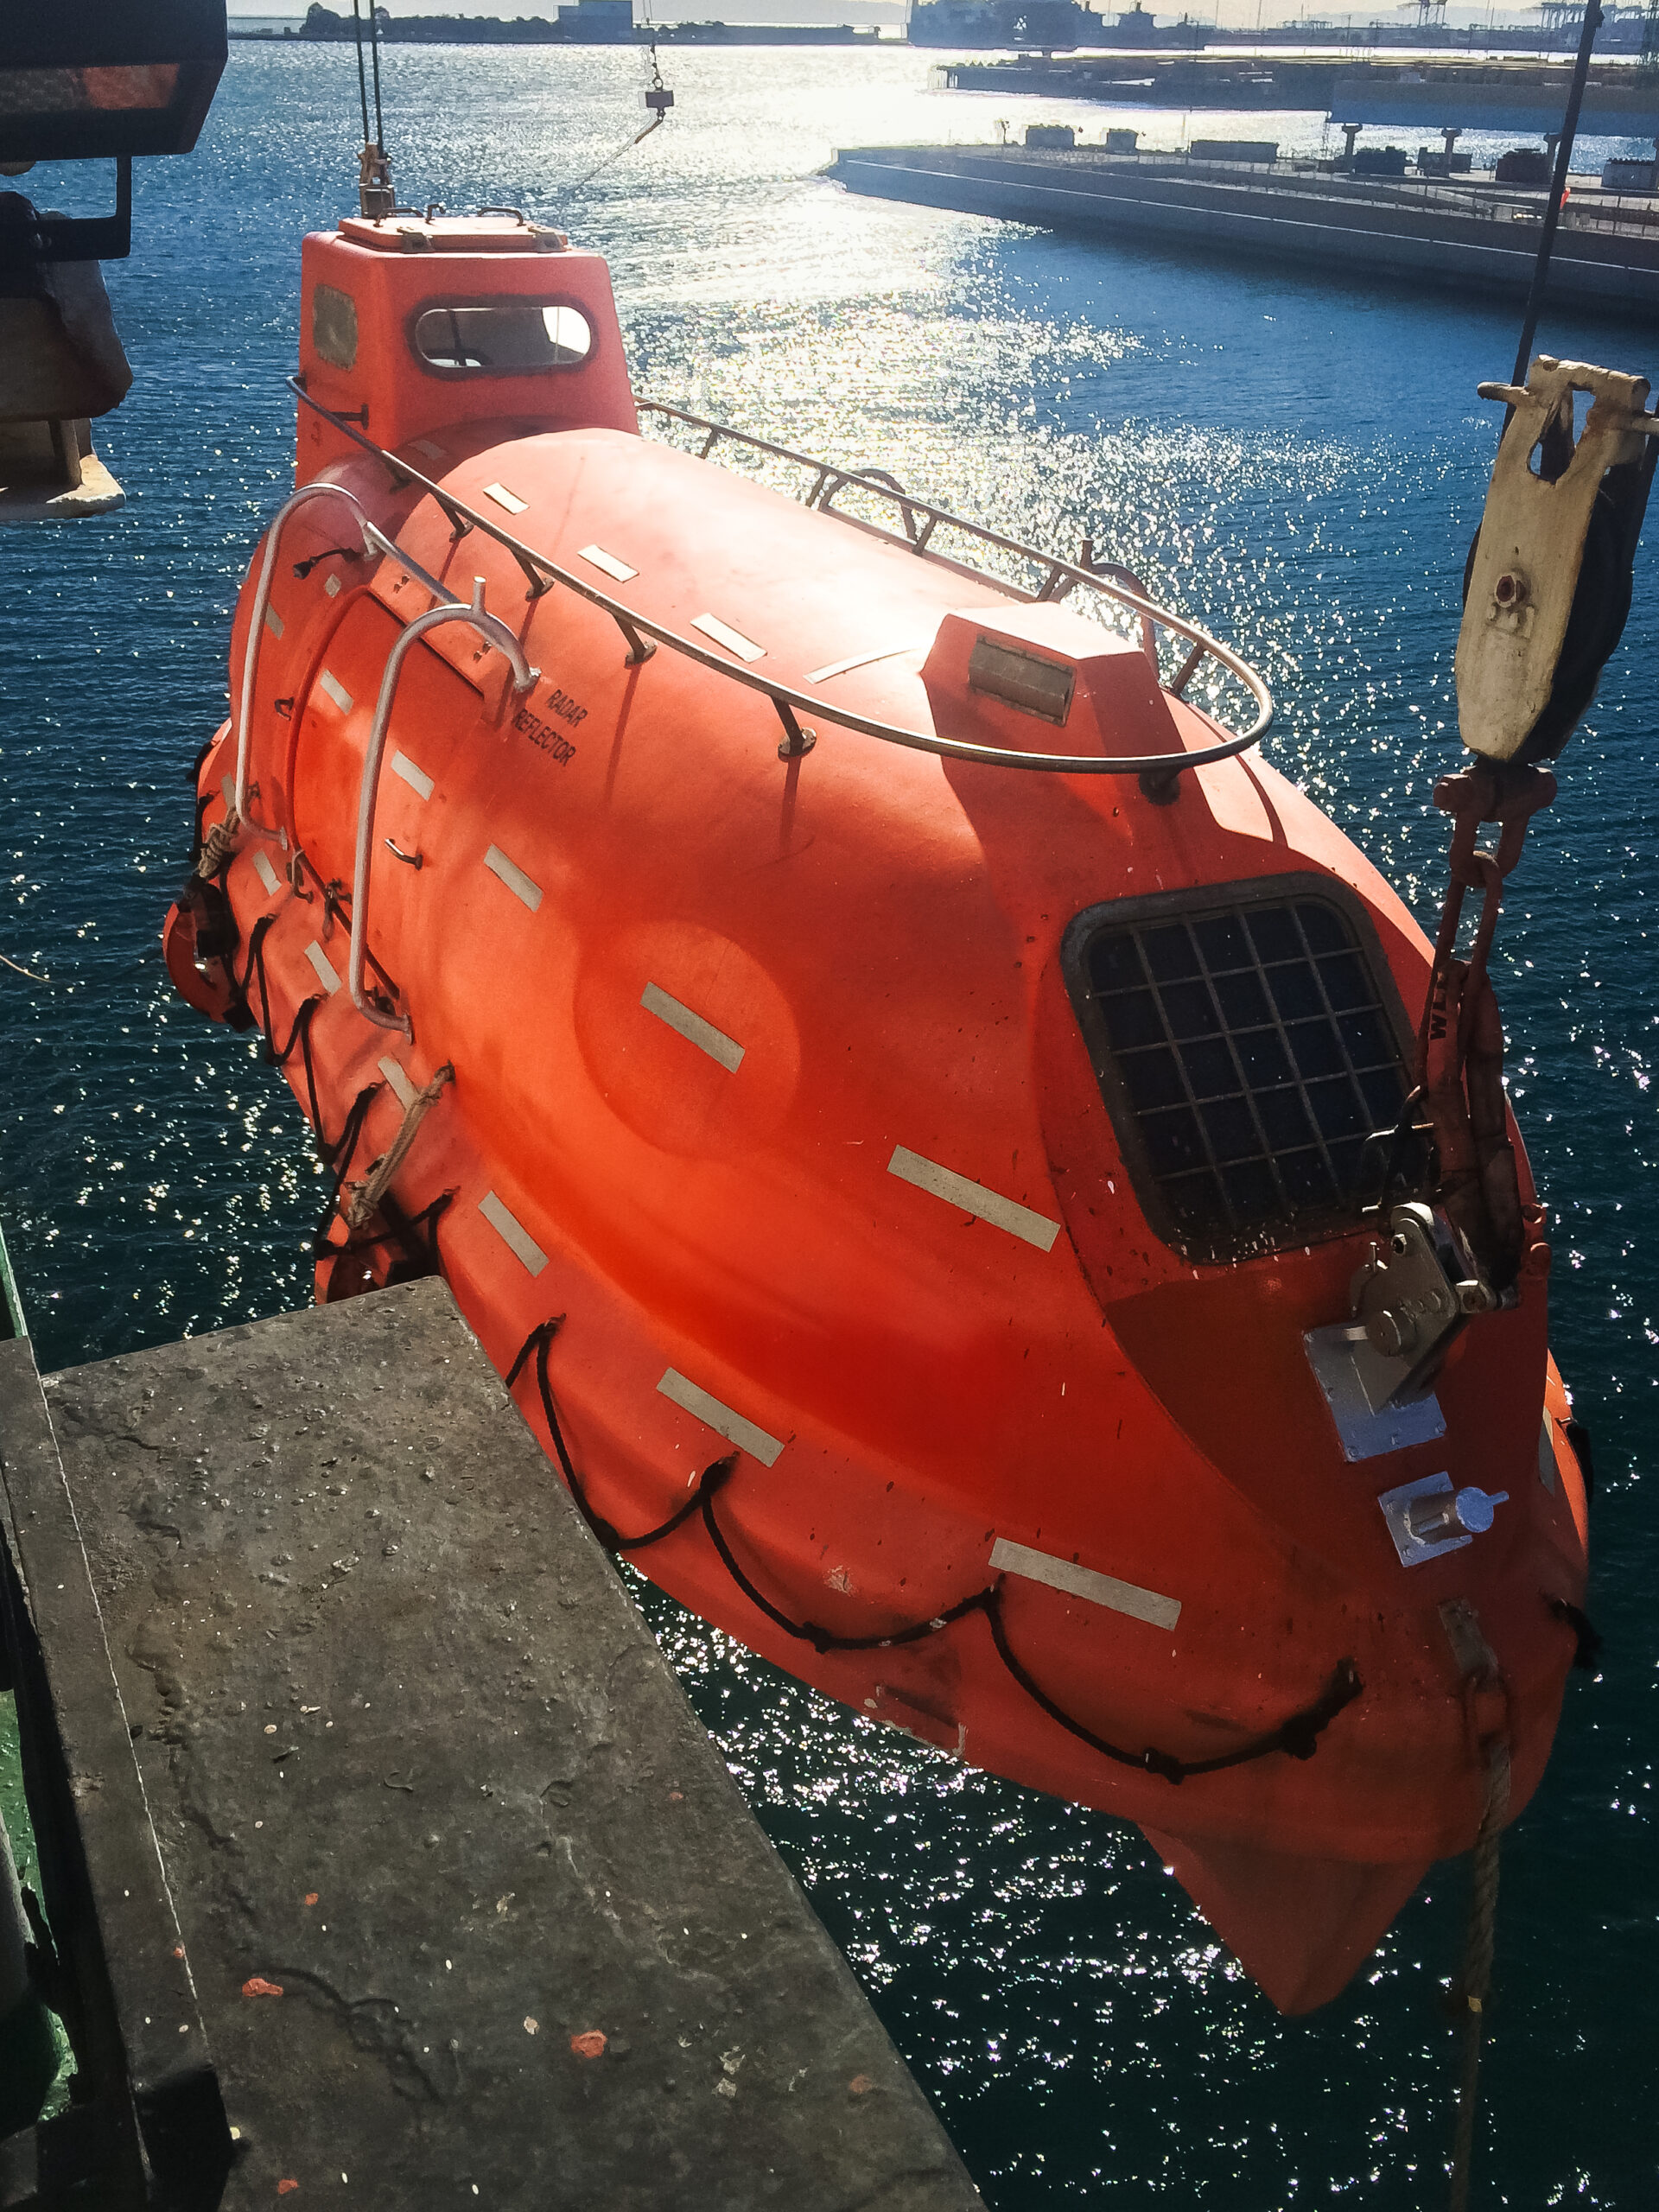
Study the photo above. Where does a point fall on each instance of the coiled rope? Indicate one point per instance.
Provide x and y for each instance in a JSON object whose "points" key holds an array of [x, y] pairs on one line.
{"points": [[1298, 1736]]}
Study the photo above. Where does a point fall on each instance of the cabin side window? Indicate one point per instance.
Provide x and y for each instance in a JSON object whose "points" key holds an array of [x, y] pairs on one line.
{"points": [[333, 327], [513, 337], [1251, 1048]]}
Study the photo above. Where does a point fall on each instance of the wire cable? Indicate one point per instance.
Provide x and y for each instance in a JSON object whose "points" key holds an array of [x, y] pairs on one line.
{"points": [[1592, 21], [362, 78]]}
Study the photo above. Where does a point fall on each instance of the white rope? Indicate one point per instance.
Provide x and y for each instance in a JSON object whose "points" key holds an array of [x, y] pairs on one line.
{"points": [[367, 1196]]}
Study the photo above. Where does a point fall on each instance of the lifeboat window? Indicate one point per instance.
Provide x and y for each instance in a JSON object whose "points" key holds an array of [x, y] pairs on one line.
{"points": [[1247, 1053], [1035, 686], [333, 326], [502, 337]]}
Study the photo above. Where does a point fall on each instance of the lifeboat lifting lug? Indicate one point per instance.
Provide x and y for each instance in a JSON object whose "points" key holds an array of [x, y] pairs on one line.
{"points": [[1415, 1290]]}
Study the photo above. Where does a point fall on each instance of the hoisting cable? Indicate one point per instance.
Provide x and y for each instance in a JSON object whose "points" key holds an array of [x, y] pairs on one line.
{"points": [[1545, 603], [362, 77], [374, 55], [1458, 1076], [1298, 1736], [1467, 1113], [1557, 188], [375, 197], [659, 99]]}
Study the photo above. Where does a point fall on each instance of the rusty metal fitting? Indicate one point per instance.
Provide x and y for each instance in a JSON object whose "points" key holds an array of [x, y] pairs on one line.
{"points": [[1492, 790]]}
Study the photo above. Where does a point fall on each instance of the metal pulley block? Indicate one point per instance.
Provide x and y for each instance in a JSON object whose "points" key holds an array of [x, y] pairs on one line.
{"points": [[1548, 585]]}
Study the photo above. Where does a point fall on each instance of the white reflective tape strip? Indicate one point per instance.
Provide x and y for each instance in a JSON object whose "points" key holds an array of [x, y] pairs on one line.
{"points": [[324, 966], [512, 1233], [430, 448], [862, 660], [227, 785], [402, 1089], [974, 1197], [723, 634], [266, 874], [416, 779], [331, 584], [692, 1026], [337, 691], [1082, 1582], [721, 1419], [503, 498], [607, 564], [514, 877], [273, 622]]}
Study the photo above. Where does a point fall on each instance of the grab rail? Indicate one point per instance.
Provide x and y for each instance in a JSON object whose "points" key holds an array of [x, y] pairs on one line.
{"points": [[1105, 577], [490, 627], [1160, 769], [374, 539]]}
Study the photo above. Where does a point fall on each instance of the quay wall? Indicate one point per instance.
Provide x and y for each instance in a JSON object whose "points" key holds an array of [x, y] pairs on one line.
{"points": [[1360, 236]]}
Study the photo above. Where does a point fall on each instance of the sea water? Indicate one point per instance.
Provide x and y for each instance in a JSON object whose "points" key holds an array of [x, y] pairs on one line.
{"points": [[1295, 460]]}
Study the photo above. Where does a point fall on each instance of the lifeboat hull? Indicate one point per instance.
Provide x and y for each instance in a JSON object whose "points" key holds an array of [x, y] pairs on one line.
{"points": [[781, 1171]]}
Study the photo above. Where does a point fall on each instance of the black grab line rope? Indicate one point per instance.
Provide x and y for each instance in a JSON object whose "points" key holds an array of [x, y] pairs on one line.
{"points": [[335, 1153], [416, 1235], [1298, 1736]]}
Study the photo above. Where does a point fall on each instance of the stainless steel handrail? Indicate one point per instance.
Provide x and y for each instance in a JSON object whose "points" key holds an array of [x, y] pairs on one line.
{"points": [[1108, 580], [787, 699], [496, 630], [499, 636], [374, 540]]}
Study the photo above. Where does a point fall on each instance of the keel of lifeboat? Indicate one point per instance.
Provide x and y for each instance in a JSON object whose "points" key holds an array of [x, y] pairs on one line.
{"points": [[921, 1194]]}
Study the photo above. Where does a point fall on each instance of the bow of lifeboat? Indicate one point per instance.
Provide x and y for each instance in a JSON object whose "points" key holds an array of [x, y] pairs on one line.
{"points": [[937, 1169]]}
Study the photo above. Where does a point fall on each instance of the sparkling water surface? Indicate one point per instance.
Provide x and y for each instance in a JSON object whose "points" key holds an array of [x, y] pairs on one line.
{"points": [[1298, 464]]}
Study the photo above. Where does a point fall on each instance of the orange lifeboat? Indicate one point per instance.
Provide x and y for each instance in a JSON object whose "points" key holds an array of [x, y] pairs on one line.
{"points": [[893, 1085]]}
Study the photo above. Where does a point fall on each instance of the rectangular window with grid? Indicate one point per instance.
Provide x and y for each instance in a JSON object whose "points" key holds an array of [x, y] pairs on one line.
{"points": [[1247, 1052]]}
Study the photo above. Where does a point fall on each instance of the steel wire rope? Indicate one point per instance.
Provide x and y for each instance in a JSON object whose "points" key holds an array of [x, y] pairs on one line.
{"points": [[658, 99], [1591, 24], [1399, 1138], [362, 78]]}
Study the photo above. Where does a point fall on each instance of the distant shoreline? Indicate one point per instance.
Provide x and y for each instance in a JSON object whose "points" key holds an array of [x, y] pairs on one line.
{"points": [[323, 28]]}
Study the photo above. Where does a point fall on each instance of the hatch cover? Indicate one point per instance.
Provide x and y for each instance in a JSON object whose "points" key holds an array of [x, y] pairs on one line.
{"points": [[1247, 1043]]}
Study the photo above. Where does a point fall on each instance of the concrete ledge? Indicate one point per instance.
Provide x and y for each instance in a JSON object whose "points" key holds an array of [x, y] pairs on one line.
{"points": [[414, 1759]]}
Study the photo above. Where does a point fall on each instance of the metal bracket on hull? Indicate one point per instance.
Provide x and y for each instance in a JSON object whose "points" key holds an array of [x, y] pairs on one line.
{"points": [[1428, 1517], [1342, 1357]]}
